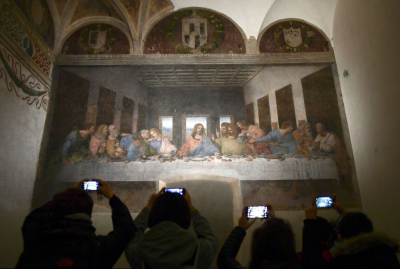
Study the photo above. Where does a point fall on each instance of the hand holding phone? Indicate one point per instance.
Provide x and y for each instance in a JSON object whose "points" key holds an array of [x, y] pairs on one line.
{"points": [[90, 185], [180, 191], [257, 212], [324, 202]]}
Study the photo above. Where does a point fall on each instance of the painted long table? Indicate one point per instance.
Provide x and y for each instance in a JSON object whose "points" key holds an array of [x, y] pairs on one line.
{"points": [[257, 169]]}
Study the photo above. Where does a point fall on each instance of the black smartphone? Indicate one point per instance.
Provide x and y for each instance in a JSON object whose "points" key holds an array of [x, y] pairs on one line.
{"points": [[324, 202], [90, 185], [175, 190], [257, 212]]}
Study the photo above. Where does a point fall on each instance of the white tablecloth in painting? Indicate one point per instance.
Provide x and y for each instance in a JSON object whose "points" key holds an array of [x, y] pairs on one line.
{"points": [[258, 169]]}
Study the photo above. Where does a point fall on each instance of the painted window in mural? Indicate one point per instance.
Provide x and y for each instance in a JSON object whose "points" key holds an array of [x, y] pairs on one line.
{"points": [[191, 121], [166, 125], [224, 119]]}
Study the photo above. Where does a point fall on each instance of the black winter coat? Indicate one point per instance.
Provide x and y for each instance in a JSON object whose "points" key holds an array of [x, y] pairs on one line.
{"points": [[71, 241]]}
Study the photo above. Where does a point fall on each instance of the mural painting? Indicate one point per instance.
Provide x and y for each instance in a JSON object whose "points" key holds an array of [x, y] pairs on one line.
{"points": [[194, 31], [97, 39], [293, 36], [282, 162]]}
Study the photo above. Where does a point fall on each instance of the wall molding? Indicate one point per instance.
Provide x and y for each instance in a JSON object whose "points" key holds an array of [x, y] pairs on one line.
{"points": [[194, 59]]}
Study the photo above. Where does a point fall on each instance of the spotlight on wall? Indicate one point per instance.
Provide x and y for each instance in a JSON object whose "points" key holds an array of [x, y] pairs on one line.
{"points": [[346, 73]]}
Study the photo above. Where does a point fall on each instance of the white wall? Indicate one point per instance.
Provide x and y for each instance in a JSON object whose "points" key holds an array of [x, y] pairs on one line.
{"points": [[317, 12], [248, 14], [367, 44], [21, 136]]}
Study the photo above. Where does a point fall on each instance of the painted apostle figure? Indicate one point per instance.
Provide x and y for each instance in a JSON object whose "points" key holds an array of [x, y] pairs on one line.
{"points": [[161, 143], [199, 143], [76, 145], [229, 143]]}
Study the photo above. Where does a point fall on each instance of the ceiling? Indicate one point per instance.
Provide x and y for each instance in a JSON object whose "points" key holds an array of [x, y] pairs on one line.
{"points": [[197, 76]]}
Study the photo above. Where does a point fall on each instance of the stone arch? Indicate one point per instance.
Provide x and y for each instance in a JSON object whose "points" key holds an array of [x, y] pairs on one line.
{"points": [[76, 26], [163, 15], [312, 26]]}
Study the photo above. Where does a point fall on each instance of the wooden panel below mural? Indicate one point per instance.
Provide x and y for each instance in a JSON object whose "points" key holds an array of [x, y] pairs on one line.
{"points": [[194, 31], [106, 106], [321, 102], [142, 117], [69, 108], [127, 115], [250, 113], [284, 101], [264, 114]]}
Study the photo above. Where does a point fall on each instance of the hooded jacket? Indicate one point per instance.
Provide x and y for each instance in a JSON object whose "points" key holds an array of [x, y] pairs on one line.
{"points": [[167, 245], [369, 250]]}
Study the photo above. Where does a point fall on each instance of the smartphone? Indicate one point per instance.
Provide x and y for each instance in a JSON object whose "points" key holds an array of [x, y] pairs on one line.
{"points": [[90, 185], [257, 212], [176, 190], [324, 202]]}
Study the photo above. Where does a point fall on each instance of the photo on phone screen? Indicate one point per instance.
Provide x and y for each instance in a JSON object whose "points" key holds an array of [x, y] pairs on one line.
{"points": [[176, 190], [90, 185], [257, 212], [323, 202]]}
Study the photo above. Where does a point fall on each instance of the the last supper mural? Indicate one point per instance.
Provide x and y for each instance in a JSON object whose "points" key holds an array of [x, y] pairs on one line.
{"points": [[283, 138]]}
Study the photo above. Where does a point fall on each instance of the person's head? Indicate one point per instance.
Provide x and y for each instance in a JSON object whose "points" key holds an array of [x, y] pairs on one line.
{"points": [[242, 124], [101, 131], [170, 207], [232, 130], [72, 201], [112, 130], [224, 127], [321, 128], [90, 128], [273, 242], [145, 134], [353, 224], [155, 133], [198, 129], [287, 126], [305, 128]]}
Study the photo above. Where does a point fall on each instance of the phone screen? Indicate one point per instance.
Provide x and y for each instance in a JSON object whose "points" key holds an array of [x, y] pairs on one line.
{"points": [[90, 185], [324, 202], [257, 212], [175, 190]]}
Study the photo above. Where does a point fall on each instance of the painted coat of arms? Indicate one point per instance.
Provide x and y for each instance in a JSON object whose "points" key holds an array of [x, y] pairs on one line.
{"points": [[194, 32]]}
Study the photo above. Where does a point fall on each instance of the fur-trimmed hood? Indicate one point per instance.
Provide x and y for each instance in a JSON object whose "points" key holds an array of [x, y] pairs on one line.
{"points": [[362, 243]]}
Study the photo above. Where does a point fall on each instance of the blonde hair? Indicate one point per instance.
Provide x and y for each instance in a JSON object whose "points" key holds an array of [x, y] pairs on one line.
{"points": [[286, 124]]}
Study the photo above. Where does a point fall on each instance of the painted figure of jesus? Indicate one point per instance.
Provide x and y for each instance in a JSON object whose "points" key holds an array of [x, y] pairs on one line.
{"points": [[199, 143]]}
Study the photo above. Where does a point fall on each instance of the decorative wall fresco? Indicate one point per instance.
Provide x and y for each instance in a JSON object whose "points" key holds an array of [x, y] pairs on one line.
{"points": [[21, 82], [293, 36], [133, 8], [38, 14], [194, 31], [157, 6], [16, 32], [88, 8], [97, 39]]}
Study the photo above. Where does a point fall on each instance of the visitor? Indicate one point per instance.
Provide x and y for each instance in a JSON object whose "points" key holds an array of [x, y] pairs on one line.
{"points": [[61, 234], [272, 246], [169, 243], [357, 246]]}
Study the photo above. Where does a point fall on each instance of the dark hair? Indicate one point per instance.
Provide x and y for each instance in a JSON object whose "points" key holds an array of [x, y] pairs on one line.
{"points": [[72, 201], [170, 207], [224, 124], [353, 224], [272, 242]]}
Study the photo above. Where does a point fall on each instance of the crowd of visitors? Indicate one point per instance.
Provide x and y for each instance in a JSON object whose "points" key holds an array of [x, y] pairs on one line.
{"points": [[60, 234]]}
